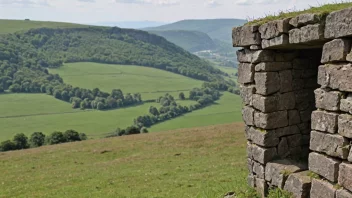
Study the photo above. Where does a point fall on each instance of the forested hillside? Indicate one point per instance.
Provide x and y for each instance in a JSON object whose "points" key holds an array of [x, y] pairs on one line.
{"points": [[192, 41], [112, 45]]}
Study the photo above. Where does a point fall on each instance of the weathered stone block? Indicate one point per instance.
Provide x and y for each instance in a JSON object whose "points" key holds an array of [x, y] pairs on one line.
{"points": [[304, 98], [345, 125], [287, 101], [283, 150], [346, 104], [294, 140], [307, 34], [298, 84], [294, 117], [324, 121], [255, 47], [247, 92], [278, 171], [304, 19], [299, 184], [250, 165], [271, 120], [267, 82], [245, 36], [325, 166], [328, 100], [322, 189], [262, 137], [305, 127], [266, 103], [345, 176], [284, 56], [251, 180], [339, 24], [272, 66], [248, 115], [343, 194], [279, 41], [286, 131], [274, 28], [285, 81], [336, 50], [261, 187], [333, 145], [260, 154], [310, 73], [305, 115], [246, 73], [336, 77], [259, 170], [255, 56]]}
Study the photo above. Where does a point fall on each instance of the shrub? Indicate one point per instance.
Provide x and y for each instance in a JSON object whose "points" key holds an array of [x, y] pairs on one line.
{"points": [[37, 139], [144, 130], [7, 146], [83, 136], [56, 138], [72, 136], [21, 141]]}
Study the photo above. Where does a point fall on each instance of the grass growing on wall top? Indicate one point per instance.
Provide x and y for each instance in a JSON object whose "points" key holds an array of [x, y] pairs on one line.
{"points": [[321, 10]]}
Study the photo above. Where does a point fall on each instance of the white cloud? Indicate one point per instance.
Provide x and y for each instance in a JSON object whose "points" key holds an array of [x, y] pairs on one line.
{"points": [[212, 3], [251, 2], [24, 2], [87, 1], [152, 2]]}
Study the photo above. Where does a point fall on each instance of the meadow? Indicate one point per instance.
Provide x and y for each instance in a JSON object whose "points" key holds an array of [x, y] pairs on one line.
{"points": [[11, 26], [198, 162], [43, 113], [225, 110], [150, 82]]}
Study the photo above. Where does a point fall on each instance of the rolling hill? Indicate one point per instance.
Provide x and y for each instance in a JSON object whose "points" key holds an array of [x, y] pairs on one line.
{"points": [[220, 29], [202, 162], [192, 41]]}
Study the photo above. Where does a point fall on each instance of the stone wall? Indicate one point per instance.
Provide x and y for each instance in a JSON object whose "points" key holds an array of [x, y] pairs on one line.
{"points": [[295, 77]]}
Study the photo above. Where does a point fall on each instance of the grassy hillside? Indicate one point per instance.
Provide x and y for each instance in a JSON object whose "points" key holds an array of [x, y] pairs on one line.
{"points": [[11, 26], [201, 162], [192, 41], [226, 110], [150, 82], [216, 28]]}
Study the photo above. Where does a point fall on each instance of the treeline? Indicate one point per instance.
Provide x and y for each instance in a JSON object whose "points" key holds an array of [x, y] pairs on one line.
{"points": [[222, 85], [37, 139], [114, 46], [170, 109], [35, 79]]}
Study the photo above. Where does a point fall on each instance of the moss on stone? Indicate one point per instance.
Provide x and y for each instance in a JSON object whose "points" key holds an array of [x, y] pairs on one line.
{"points": [[322, 11]]}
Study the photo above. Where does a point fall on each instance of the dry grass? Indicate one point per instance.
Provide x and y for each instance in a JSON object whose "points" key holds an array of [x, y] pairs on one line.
{"points": [[322, 10], [198, 162]]}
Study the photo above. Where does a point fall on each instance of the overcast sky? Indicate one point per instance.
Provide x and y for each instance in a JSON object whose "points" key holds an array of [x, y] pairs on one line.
{"points": [[92, 11]]}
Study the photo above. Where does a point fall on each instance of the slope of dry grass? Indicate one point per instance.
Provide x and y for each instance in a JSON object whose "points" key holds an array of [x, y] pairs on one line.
{"points": [[198, 162]]}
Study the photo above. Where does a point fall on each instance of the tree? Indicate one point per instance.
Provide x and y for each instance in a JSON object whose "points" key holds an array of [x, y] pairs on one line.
{"points": [[181, 96], [37, 139], [7, 146], [72, 136], [21, 141], [15, 88], [153, 110], [56, 138], [1, 89]]}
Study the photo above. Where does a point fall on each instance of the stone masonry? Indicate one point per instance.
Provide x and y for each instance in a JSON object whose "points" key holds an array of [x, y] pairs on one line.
{"points": [[295, 79]]}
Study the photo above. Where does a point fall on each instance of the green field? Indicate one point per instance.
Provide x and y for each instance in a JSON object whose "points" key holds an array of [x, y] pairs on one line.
{"points": [[227, 110], [11, 26], [202, 162], [150, 82]]}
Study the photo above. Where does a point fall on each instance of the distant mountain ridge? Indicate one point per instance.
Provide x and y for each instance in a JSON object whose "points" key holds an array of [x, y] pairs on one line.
{"points": [[216, 28], [192, 41], [131, 24]]}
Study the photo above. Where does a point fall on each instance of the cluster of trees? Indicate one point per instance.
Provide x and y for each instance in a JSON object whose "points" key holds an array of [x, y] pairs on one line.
{"points": [[170, 109], [21, 141], [222, 85]]}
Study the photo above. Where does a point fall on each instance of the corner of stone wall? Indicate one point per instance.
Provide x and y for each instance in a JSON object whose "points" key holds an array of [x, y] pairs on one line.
{"points": [[278, 83]]}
